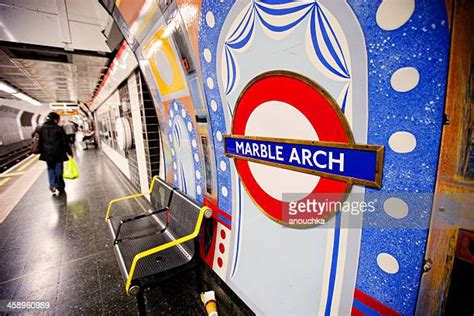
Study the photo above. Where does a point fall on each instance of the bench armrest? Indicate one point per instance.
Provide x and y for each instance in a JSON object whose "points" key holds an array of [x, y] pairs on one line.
{"points": [[134, 196], [205, 211]]}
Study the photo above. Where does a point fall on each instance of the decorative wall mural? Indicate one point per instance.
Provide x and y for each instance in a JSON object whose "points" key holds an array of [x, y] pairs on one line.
{"points": [[165, 65], [386, 71], [136, 18], [325, 44], [264, 53], [323, 36], [408, 120], [187, 165]]}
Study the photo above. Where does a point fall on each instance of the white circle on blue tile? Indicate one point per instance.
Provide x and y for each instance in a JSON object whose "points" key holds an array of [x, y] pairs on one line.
{"points": [[210, 83], [198, 189], [193, 143], [387, 263], [174, 165], [171, 114], [190, 126], [219, 136], [198, 174], [172, 151], [175, 177], [405, 79], [170, 138], [196, 157], [392, 14], [175, 107], [183, 113], [223, 165], [210, 19], [214, 105], [395, 207], [224, 191], [402, 142], [207, 55], [170, 123]]}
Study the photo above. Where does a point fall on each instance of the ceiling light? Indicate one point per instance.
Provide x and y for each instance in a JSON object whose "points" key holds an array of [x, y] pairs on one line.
{"points": [[26, 98], [6, 88]]}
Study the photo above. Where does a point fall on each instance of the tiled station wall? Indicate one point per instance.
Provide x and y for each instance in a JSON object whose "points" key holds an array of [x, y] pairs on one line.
{"points": [[15, 125], [143, 158]]}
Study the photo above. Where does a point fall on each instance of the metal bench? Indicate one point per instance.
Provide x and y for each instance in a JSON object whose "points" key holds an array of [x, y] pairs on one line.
{"points": [[156, 245], [89, 139]]}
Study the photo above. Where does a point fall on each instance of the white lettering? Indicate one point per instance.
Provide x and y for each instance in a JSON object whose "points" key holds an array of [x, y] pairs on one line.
{"points": [[248, 150], [255, 150], [315, 159], [294, 156], [279, 153], [240, 147], [263, 151], [339, 161], [306, 157], [306, 153]]}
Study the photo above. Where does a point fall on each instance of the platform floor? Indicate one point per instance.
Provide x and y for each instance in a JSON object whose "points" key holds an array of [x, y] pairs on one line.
{"points": [[58, 249]]}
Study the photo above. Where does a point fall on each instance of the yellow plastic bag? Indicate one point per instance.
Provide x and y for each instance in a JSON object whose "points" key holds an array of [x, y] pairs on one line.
{"points": [[70, 170]]}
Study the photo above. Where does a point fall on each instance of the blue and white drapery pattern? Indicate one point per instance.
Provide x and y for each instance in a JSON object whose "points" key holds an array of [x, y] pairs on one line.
{"points": [[325, 44], [187, 164]]}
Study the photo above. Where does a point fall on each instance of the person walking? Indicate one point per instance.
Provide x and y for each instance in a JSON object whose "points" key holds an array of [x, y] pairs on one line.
{"points": [[70, 128], [54, 149]]}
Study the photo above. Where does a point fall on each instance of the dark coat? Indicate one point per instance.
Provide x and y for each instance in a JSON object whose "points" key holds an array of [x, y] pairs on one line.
{"points": [[53, 143]]}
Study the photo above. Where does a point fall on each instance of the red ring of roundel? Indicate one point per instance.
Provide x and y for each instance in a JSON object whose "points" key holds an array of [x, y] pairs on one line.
{"points": [[313, 105]]}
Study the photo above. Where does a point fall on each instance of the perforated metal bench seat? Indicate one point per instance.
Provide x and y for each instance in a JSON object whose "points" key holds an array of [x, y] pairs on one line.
{"points": [[154, 264], [142, 226]]}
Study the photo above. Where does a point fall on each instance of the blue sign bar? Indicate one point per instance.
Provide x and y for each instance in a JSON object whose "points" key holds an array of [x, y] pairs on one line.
{"points": [[359, 164]]}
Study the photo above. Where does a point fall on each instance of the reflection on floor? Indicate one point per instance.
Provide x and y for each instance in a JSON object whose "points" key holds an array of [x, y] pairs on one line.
{"points": [[58, 249]]}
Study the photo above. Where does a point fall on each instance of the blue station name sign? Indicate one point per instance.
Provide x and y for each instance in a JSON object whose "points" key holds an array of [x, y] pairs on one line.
{"points": [[357, 164]]}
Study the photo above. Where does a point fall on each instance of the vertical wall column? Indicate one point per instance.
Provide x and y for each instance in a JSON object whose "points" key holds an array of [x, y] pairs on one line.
{"points": [[151, 133], [18, 124], [136, 108]]}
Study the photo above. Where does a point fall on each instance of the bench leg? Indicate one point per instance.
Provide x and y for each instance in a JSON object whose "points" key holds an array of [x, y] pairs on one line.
{"points": [[141, 303], [199, 284]]}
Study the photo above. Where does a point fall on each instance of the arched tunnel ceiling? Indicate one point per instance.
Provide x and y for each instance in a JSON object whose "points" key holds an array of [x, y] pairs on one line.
{"points": [[55, 51], [72, 80], [53, 81]]}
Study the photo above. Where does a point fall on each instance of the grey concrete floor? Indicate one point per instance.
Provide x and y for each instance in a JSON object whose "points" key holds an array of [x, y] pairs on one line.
{"points": [[59, 249]]}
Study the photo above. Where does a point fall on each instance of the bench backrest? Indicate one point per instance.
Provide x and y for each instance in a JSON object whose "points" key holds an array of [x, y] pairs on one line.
{"points": [[160, 196], [184, 214]]}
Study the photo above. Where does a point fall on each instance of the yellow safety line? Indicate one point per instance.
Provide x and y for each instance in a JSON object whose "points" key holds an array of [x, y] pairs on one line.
{"points": [[12, 174], [8, 176], [134, 196], [28, 163], [170, 244]]}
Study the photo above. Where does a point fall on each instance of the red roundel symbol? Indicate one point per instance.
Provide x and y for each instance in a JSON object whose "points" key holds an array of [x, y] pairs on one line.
{"points": [[318, 108]]}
